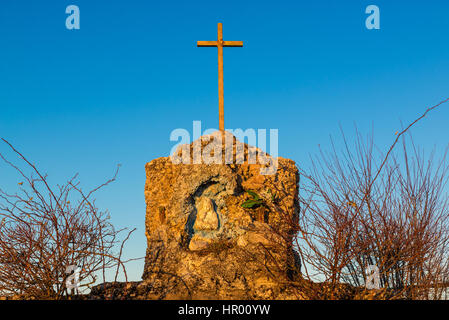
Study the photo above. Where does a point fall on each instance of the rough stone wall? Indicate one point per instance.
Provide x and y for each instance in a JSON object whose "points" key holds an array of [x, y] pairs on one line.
{"points": [[202, 243]]}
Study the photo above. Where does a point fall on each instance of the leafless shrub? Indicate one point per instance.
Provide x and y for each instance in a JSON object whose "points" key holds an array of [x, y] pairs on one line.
{"points": [[45, 229], [360, 209]]}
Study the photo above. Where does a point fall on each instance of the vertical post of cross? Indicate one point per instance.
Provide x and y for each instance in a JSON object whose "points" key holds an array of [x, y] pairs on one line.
{"points": [[220, 77]]}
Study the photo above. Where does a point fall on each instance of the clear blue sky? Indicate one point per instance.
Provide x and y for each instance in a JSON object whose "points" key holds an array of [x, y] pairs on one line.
{"points": [[86, 100]]}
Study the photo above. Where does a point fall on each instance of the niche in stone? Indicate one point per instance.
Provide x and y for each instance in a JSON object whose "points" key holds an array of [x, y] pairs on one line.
{"points": [[205, 221]]}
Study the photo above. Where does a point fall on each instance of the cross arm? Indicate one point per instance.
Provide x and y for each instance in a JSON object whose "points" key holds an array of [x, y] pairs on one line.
{"points": [[206, 43], [224, 43], [232, 43]]}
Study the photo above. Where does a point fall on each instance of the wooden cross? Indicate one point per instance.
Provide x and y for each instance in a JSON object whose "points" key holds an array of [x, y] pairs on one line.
{"points": [[220, 44]]}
